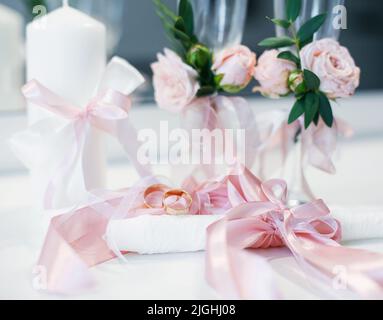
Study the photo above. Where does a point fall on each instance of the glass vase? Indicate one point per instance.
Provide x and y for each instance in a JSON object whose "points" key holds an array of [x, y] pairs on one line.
{"points": [[219, 23]]}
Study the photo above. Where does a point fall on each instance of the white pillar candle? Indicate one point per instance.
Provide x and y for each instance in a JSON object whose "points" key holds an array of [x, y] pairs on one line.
{"points": [[66, 52], [11, 46]]}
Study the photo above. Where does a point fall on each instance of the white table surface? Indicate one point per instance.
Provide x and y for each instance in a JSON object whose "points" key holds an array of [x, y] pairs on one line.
{"points": [[181, 276]]}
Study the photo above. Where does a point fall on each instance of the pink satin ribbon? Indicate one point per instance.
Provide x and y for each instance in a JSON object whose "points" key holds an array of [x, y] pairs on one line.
{"points": [[108, 112], [264, 221], [254, 217], [76, 240]]}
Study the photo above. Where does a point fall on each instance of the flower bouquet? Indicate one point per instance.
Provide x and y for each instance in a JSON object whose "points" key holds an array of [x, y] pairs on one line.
{"points": [[198, 83], [316, 73]]}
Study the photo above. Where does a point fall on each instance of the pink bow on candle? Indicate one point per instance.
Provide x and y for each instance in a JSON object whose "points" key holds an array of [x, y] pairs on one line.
{"points": [[107, 112], [264, 221]]}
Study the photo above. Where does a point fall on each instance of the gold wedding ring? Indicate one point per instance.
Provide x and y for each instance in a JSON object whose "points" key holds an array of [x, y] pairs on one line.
{"points": [[152, 189], [179, 194]]}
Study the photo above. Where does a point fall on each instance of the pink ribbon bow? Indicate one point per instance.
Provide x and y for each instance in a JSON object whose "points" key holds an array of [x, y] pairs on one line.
{"points": [[107, 112], [263, 222]]}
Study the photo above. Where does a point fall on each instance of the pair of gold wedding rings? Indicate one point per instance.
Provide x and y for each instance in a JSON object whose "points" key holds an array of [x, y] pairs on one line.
{"points": [[168, 193]]}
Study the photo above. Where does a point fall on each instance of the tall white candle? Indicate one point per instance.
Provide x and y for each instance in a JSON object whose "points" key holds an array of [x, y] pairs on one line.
{"points": [[66, 52], [11, 46]]}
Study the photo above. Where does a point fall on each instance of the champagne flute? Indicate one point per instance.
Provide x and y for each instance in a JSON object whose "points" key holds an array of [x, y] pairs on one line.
{"points": [[219, 23]]}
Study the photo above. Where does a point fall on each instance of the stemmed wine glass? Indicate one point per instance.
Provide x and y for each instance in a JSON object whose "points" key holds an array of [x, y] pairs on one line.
{"points": [[219, 23]]}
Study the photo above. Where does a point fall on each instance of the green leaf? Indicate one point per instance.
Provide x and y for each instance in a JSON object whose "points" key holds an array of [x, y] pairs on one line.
{"points": [[325, 110], [316, 118], [311, 103], [180, 25], [300, 89], [164, 11], [275, 42], [288, 55], [297, 110], [301, 44], [183, 37], [232, 88], [293, 9], [281, 23], [218, 78], [311, 27], [205, 91], [185, 10], [311, 80]]}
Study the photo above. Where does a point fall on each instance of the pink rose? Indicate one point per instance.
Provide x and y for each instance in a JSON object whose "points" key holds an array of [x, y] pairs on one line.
{"points": [[334, 66], [175, 83], [237, 66], [272, 74]]}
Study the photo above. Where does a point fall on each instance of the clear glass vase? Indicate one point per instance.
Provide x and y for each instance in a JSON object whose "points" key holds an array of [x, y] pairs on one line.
{"points": [[311, 8], [219, 23]]}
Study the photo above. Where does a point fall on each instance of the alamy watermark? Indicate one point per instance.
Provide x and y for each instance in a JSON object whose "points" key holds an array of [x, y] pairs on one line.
{"points": [[195, 147], [339, 21]]}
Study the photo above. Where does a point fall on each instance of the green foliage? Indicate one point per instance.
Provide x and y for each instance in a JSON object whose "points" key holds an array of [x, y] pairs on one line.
{"points": [[311, 105], [206, 91], [199, 57], [288, 55], [307, 31], [179, 28], [281, 23], [185, 11], [297, 110], [311, 80], [277, 42], [293, 9], [310, 101], [325, 110]]}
